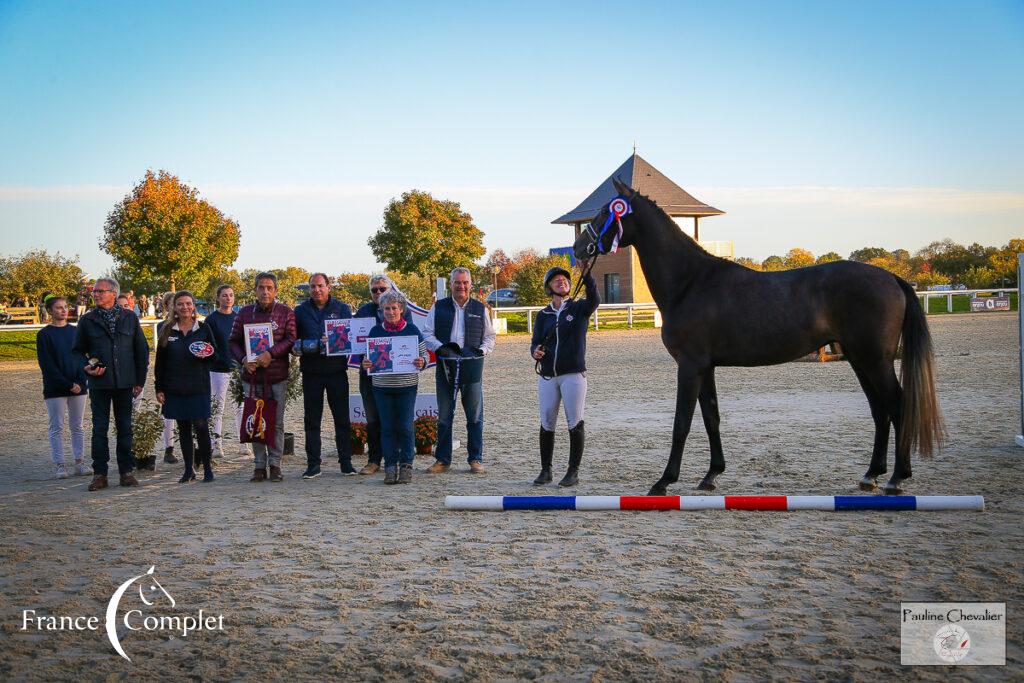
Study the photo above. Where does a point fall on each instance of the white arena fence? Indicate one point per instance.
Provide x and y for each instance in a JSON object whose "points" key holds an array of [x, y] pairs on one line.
{"points": [[645, 312]]}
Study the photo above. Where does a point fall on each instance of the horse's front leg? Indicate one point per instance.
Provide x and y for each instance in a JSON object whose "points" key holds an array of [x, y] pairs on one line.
{"points": [[708, 398], [688, 385]]}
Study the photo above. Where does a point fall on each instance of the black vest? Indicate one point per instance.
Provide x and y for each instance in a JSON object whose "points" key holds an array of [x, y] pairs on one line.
{"points": [[444, 318]]}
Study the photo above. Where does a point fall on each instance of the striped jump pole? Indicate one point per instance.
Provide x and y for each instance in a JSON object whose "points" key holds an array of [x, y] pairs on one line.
{"points": [[758, 503]]}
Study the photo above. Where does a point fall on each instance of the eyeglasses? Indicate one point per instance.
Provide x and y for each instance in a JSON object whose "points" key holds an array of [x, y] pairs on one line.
{"points": [[378, 290], [101, 291]]}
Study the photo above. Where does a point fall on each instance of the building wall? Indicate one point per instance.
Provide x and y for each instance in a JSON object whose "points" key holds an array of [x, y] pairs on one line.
{"points": [[641, 292], [620, 262]]}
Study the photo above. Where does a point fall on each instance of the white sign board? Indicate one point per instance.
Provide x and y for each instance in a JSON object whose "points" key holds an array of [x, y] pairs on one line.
{"points": [[426, 404]]}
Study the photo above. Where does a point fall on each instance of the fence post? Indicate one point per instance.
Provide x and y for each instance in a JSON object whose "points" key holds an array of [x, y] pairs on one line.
{"points": [[529, 321], [949, 303], [595, 319], [629, 316]]}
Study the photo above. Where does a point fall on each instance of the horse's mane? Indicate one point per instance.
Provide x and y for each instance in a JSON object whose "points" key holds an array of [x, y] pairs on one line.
{"points": [[673, 229]]}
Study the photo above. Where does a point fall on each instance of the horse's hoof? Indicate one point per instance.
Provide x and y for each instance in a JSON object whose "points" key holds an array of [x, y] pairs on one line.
{"points": [[706, 485], [892, 489], [868, 484], [658, 491]]}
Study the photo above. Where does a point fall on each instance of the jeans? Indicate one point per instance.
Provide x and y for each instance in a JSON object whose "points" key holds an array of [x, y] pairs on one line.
{"points": [[397, 406], [313, 388], [100, 400], [372, 418], [262, 453], [473, 404], [75, 408]]}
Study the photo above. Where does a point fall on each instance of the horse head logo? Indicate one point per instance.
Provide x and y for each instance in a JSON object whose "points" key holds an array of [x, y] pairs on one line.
{"points": [[149, 586]]}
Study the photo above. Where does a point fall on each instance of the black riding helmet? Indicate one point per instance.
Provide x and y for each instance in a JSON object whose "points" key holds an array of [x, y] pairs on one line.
{"points": [[550, 275]]}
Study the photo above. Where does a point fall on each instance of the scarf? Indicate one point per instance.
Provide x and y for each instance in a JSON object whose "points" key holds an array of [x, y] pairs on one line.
{"points": [[397, 327], [109, 316]]}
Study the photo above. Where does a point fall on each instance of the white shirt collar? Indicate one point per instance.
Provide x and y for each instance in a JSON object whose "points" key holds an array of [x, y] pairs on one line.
{"points": [[195, 326]]}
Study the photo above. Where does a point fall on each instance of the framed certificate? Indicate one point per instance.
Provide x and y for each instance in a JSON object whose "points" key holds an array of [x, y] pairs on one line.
{"points": [[392, 355], [259, 337], [347, 336]]}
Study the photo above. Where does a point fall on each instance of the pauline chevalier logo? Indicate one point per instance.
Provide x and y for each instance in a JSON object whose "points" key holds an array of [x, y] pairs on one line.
{"points": [[151, 593]]}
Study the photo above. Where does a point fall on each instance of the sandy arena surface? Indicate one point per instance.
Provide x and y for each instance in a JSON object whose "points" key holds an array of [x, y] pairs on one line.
{"points": [[345, 578]]}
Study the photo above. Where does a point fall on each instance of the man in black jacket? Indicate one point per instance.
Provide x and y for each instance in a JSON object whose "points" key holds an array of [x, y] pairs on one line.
{"points": [[113, 337]]}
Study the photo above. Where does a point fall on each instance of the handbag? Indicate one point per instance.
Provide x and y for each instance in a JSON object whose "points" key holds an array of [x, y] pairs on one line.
{"points": [[259, 416]]}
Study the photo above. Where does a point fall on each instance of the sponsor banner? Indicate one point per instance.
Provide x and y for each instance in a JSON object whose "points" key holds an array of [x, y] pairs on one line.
{"points": [[957, 633], [426, 404], [990, 303]]}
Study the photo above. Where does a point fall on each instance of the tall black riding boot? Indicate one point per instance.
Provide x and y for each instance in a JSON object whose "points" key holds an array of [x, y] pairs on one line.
{"points": [[547, 449], [576, 441], [190, 473]]}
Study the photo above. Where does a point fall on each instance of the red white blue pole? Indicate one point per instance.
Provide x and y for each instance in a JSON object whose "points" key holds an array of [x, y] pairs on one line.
{"points": [[759, 503]]}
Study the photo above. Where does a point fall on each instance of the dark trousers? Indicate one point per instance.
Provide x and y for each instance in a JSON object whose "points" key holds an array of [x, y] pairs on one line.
{"points": [[472, 396], [397, 406], [201, 428], [313, 388], [372, 418], [100, 401]]}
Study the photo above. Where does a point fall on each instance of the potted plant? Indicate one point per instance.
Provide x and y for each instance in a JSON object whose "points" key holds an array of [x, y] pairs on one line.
{"points": [[357, 431], [425, 433], [147, 429]]}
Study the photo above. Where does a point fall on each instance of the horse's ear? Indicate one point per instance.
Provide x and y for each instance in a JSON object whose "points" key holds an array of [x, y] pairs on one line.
{"points": [[622, 188]]}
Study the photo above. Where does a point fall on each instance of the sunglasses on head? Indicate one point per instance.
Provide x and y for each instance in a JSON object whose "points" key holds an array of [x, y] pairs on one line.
{"points": [[378, 290]]}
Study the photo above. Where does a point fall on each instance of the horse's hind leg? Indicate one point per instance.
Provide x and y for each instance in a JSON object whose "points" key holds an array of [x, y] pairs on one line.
{"points": [[708, 398], [892, 397], [688, 384], [881, 417]]}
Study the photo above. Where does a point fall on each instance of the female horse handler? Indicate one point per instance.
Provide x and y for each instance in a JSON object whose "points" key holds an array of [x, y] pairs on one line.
{"points": [[559, 346]]}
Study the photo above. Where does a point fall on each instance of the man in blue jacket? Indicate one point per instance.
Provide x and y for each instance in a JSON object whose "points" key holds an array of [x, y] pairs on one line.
{"points": [[459, 322], [321, 373], [113, 337]]}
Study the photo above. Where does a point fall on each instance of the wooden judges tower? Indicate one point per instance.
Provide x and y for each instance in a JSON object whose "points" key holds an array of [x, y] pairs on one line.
{"points": [[619, 275]]}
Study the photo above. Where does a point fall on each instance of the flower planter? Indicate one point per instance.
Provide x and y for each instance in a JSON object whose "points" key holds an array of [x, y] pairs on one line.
{"points": [[358, 449], [424, 449]]}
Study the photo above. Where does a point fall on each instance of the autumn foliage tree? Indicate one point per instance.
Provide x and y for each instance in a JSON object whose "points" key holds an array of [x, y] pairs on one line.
{"points": [[426, 236], [36, 272], [163, 232]]}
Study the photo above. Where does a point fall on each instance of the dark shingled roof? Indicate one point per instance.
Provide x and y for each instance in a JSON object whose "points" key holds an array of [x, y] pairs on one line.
{"points": [[649, 181]]}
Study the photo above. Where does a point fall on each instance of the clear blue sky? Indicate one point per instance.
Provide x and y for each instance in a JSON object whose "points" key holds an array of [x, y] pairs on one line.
{"points": [[821, 125]]}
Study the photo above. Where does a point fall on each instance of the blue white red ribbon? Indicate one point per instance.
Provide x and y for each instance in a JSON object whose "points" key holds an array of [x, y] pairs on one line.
{"points": [[757, 503], [617, 208]]}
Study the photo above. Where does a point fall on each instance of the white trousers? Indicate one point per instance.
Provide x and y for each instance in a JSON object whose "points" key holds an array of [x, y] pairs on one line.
{"points": [[568, 389], [219, 383], [74, 406]]}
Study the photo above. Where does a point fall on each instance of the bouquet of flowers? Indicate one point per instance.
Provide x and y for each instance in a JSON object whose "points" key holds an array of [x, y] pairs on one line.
{"points": [[358, 434], [425, 431]]}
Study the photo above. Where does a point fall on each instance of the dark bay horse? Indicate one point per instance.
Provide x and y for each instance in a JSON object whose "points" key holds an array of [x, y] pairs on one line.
{"points": [[719, 313]]}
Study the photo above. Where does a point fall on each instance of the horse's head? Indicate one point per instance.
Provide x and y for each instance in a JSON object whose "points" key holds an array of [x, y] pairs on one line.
{"points": [[596, 238]]}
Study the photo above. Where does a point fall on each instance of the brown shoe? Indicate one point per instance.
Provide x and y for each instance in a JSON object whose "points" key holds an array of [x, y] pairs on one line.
{"points": [[476, 467], [259, 474], [370, 468], [98, 482], [128, 480], [437, 468], [275, 474]]}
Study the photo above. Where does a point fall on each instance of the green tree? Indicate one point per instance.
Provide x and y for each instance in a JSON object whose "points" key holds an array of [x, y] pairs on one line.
{"points": [[352, 288], [867, 253], [798, 258], [529, 275], [227, 276], [979, 277], [162, 233], [748, 263], [1004, 262], [426, 236], [288, 281], [419, 289], [773, 263], [828, 257], [37, 272]]}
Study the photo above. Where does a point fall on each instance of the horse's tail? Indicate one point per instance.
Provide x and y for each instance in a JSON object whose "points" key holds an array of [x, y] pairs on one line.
{"points": [[922, 426]]}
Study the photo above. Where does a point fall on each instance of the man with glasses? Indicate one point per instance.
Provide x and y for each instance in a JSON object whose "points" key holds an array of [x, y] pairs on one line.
{"points": [[322, 374], [379, 284], [459, 325], [116, 358]]}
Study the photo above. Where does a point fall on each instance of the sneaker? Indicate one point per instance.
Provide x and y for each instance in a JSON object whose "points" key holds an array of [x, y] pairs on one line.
{"points": [[405, 474], [244, 449], [312, 472], [390, 475], [218, 451], [81, 469], [370, 468], [347, 469], [437, 468], [476, 467], [61, 472], [275, 474]]}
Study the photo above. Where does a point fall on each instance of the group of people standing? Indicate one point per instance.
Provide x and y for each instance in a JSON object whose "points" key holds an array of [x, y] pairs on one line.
{"points": [[107, 358]]}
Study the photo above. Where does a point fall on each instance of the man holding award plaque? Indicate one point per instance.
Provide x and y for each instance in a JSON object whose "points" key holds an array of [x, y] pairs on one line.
{"points": [[261, 338], [324, 328]]}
